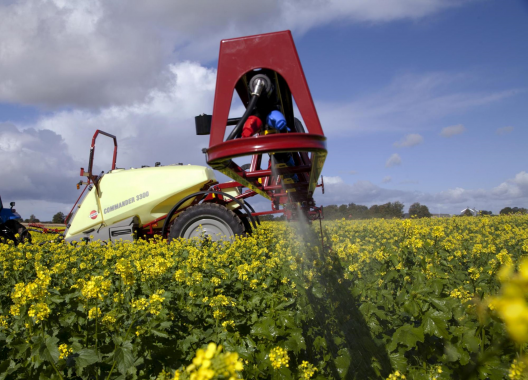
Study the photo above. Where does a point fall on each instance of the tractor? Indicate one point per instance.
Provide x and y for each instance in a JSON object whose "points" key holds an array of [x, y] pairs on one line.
{"points": [[10, 227], [186, 201]]}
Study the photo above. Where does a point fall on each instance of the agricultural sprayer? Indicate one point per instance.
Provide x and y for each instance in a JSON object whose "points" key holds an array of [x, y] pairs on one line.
{"points": [[187, 200]]}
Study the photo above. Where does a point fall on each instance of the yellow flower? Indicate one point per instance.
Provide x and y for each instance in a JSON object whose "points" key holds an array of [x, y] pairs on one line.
{"points": [[517, 370], [64, 351], [39, 311], [279, 357], [307, 370], [94, 312]]}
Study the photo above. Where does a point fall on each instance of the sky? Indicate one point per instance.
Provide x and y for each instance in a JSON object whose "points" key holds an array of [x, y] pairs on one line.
{"points": [[420, 100]]}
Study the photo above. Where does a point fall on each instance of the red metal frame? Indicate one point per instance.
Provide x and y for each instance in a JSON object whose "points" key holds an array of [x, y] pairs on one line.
{"points": [[92, 151], [89, 174], [274, 52]]}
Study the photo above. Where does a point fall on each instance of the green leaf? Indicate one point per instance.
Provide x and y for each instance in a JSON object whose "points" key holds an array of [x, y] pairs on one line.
{"points": [[440, 303], [320, 343], [342, 362], [455, 353], [406, 335], [295, 342], [266, 328], [398, 360], [470, 341], [123, 357], [87, 356], [286, 319], [434, 323], [318, 290], [284, 304], [6, 368], [412, 307], [159, 333], [437, 285], [166, 324], [389, 276], [49, 350]]}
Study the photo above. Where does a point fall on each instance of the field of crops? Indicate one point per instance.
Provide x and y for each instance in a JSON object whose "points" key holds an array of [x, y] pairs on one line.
{"points": [[415, 299]]}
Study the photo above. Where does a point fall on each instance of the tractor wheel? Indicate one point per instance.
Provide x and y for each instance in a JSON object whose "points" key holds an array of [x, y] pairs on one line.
{"points": [[209, 219], [24, 235]]}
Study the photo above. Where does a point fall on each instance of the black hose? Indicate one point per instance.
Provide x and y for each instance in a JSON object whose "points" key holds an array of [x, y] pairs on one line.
{"points": [[249, 109]]}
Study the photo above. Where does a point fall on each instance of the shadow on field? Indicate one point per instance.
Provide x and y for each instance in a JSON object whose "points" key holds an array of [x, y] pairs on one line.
{"points": [[347, 335]]}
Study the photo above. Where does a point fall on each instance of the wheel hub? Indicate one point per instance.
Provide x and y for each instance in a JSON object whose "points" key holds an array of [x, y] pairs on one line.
{"points": [[215, 229]]}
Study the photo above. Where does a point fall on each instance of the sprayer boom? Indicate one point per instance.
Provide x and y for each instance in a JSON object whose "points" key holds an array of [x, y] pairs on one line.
{"points": [[267, 75]]}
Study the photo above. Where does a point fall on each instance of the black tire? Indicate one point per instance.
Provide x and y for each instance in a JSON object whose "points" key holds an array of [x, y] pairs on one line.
{"points": [[24, 235], [13, 227], [245, 222], [213, 218]]}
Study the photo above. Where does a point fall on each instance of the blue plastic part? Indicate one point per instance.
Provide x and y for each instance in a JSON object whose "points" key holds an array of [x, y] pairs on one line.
{"points": [[7, 214], [276, 120]]}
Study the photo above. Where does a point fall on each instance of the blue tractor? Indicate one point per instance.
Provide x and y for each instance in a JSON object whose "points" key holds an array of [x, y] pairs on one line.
{"points": [[8, 214], [10, 226]]}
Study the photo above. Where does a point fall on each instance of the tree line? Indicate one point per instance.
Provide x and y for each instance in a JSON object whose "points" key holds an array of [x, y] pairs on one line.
{"points": [[389, 210]]}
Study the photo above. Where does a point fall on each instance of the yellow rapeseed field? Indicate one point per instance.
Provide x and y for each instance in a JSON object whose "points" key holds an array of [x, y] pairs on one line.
{"points": [[396, 299]]}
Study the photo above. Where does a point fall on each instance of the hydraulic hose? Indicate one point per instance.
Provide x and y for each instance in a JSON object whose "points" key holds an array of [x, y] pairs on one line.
{"points": [[249, 109], [256, 85]]}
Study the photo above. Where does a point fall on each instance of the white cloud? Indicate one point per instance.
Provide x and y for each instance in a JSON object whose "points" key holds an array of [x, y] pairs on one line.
{"points": [[41, 161], [513, 188], [409, 101], [332, 180], [409, 141], [504, 130], [386, 179], [61, 53], [361, 192], [35, 164], [452, 130], [93, 54], [393, 160]]}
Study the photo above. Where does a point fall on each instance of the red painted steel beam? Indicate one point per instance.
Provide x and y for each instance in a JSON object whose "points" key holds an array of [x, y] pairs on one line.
{"points": [[275, 51], [276, 143], [277, 171], [268, 212]]}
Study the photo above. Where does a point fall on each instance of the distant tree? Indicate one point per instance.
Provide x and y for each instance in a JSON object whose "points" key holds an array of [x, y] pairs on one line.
{"points": [[484, 212], [419, 211], [387, 210], [58, 218], [331, 212], [343, 211], [357, 211], [397, 209], [33, 219], [374, 211], [513, 210]]}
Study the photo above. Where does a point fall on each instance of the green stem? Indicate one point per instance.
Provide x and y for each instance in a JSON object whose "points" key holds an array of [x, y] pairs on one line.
{"points": [[483, 340], [96, 341], [87, 308], [115, 346], [56, 370]]}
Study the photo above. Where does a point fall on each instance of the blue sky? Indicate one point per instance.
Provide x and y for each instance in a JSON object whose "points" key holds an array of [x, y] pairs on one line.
{"points": [[387, 79]]}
